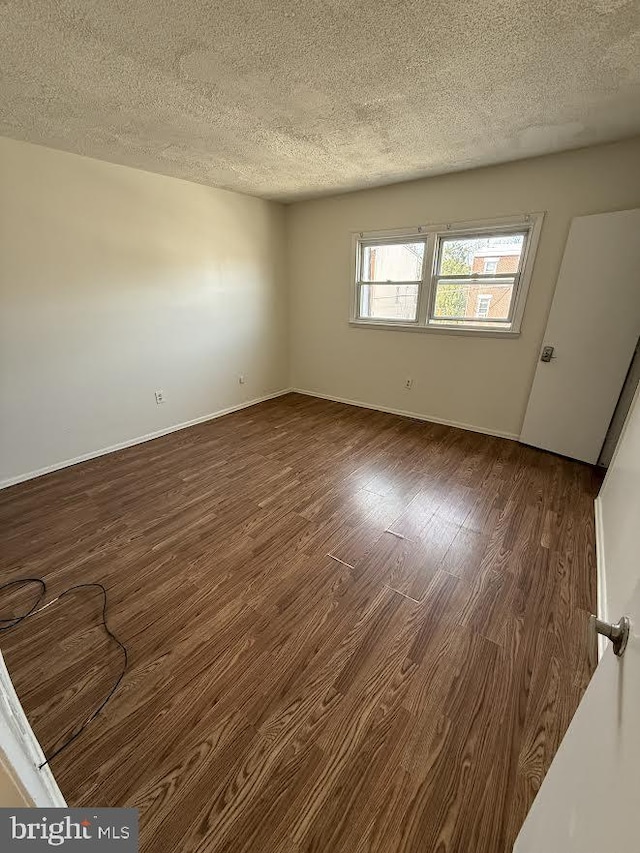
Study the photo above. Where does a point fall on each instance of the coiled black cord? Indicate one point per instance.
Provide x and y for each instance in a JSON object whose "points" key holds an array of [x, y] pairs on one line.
{"points": [[16, 620]]}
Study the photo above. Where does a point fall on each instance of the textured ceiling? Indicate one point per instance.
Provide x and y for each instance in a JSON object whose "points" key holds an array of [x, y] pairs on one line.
{"points": [[293, 99]]}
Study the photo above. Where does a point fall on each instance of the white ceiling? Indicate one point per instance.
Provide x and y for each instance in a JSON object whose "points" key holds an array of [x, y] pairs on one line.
{"points": [[288, 100]]}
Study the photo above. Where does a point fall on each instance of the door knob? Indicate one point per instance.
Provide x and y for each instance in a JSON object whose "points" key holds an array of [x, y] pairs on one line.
{"points": [[617, 632]]}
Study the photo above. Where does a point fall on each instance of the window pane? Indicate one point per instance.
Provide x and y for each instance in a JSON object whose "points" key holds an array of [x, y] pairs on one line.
{"points": [[483, 304], [482, 255], [471, 300], [389, 301], [392, 262]]}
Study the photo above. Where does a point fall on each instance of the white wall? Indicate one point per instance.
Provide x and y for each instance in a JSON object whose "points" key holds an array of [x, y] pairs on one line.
{"points": [[480, 382], [116, 282], [618, 517]]}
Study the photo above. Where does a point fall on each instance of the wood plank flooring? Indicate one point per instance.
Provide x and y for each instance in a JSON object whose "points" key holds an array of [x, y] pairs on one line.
{"points": [[406, 693]]}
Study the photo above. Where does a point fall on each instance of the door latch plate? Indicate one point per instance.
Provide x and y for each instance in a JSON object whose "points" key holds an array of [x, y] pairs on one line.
{"points": [[547, 354]]}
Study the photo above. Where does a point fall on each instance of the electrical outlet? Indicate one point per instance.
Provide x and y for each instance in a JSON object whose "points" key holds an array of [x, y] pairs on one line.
{"points": [[408, 384], [242, 379], [159, 397]]}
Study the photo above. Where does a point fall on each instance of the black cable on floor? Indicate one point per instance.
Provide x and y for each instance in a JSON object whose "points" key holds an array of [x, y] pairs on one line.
{"points": [[16, 620]]}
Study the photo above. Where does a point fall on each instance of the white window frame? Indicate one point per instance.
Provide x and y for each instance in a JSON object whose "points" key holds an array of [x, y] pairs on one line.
{"points": [[361, 245], [493, 261], [431, 235]]}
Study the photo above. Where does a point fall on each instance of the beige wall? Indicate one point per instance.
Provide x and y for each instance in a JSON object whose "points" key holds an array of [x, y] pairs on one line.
{"points": [[619, 521], [116, 282], [480, 382], [12, 794]]}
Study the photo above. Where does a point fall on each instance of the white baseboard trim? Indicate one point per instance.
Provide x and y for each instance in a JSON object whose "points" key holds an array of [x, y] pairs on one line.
{"points": [[31, 475], [406, 414], [601, 576], [57, 466]]}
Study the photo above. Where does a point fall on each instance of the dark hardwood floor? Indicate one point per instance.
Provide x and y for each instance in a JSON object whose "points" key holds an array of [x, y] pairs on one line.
{"points": [[348, 631]]}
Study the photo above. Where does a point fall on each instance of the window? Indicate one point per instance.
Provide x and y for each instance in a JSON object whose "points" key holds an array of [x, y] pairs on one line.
{"points": [[469, 278], [482, 306], [390, 278]]}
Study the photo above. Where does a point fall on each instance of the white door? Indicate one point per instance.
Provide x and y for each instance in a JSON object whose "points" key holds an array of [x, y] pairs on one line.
{"points": [[593, 327], [589, 801], [21, 756]]}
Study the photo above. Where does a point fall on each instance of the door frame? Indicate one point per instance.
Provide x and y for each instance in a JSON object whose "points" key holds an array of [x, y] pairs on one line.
{"points": [[21, 750]]}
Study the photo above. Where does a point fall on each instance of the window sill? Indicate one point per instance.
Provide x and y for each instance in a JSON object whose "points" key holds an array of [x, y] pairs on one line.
{"points": [[438, 330]]}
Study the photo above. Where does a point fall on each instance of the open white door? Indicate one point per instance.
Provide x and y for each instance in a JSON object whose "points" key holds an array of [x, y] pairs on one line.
{"points": [[589, 799], [593, 328], [20, 752]]}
